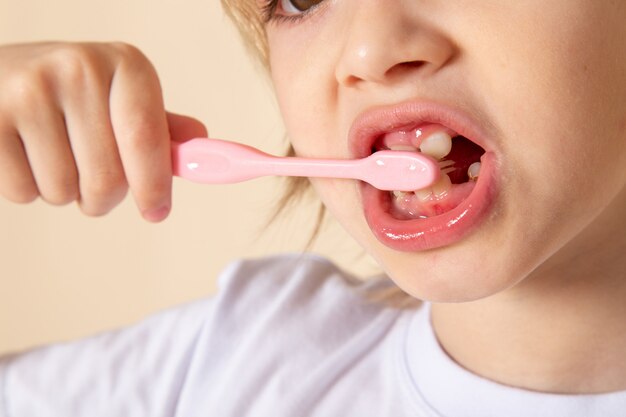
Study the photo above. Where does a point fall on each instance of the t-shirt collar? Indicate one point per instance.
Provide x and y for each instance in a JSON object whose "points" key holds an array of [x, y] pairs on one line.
{"points": [[451, 390]]}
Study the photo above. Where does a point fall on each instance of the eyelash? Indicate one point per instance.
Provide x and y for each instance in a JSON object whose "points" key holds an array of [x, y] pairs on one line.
{"points": [[269, 15]]}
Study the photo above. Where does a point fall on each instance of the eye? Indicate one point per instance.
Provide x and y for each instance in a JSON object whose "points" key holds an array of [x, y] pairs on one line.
{"points": [[287, 11], [295, 7]]}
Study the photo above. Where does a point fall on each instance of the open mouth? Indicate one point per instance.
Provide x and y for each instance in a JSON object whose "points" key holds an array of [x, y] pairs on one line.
{"points": [[450, 209], [459, 161]]}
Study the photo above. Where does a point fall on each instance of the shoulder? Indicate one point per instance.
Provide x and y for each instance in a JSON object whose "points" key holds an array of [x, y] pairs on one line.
{"points": [[108, 371], [283, 328], [266, 310], [293, 283], [296, 306]]}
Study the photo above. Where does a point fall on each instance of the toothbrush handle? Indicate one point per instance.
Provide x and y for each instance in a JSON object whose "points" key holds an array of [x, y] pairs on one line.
{"points": [[213, 161], [311, 167]]}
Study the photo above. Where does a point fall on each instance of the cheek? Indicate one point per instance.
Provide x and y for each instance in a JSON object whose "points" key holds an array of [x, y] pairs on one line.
{"points": [[559, 94], [302, 70], [291, 70], [562, 103], [342, 200], [296, 102]]}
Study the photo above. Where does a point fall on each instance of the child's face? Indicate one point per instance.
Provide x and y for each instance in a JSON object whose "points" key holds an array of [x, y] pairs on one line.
{"points": [[543, 85]]}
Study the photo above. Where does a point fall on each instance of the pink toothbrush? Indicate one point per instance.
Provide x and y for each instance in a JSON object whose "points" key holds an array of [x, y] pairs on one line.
{"points": [[214, 161]]}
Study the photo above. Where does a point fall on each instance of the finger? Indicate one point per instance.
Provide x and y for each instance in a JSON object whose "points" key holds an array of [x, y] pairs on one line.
{"points": [[102, 182], [183, 128], [140, 127], [42, 130], [17, 183]]}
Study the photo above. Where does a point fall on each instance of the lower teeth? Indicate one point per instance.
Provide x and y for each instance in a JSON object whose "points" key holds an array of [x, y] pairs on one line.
{"points": [[473, 171], [441, 188], [438, 191]]}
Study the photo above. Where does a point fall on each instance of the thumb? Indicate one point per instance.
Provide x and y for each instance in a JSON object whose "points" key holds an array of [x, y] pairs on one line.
{"points": [[183, 128]]}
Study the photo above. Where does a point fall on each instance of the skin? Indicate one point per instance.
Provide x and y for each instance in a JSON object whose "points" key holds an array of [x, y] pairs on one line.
{"points": [[100, 127], [535, 297], [547, 80]]}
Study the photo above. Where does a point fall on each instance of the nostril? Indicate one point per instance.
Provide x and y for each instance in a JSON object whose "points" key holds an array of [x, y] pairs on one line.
{"points": [[374, 70], [412, 64], [405, 67]]}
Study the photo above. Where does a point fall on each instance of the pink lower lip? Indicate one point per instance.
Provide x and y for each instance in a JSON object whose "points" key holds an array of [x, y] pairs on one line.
{"points": [[437, 231]]}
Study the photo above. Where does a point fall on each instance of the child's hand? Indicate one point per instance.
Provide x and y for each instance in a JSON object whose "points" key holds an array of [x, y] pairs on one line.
{"points": [[85, 122]]}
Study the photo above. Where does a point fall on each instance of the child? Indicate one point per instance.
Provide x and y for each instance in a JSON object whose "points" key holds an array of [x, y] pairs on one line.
{"points": [[517, 251]]}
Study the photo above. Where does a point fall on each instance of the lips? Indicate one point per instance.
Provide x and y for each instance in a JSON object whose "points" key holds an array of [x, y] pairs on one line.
{"points": [[440, 230]]}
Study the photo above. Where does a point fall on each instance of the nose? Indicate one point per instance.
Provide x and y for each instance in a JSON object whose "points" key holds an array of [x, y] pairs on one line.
{"points": [[386, 39]]}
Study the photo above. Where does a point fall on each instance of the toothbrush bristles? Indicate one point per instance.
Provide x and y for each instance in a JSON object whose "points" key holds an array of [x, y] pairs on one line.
{"points": [[446, 163]]}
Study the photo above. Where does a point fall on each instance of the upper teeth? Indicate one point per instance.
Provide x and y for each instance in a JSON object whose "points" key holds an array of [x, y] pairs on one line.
{"points": [[437, 145]]}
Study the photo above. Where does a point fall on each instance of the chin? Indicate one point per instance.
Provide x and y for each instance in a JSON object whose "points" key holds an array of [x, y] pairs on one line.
{"points": [[449, 275]]}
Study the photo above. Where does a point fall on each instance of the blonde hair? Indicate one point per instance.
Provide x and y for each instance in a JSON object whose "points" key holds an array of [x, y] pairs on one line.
{"points": [[246, 16]]}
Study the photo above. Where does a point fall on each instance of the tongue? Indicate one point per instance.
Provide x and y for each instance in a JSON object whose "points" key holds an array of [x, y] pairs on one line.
{"points": [[464, 153]]}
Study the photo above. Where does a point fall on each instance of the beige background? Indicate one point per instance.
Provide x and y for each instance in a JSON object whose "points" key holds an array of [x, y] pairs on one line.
{"points": [[64, 275]]}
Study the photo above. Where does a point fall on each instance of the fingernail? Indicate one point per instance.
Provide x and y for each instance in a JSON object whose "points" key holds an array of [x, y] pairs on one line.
{"points": [[156, 215]]}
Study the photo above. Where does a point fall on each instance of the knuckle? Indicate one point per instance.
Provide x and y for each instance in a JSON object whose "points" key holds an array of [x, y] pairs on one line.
{"points": [[27, 198], [152, 193], [61, 193], [158, 189], [58, 199], [127, 50], [155, 194], [100, 196], [135, 61], [93, 210], [138, 138], [27, 89], [75, 63], [61, 65], [21, 195], [104, 185]]}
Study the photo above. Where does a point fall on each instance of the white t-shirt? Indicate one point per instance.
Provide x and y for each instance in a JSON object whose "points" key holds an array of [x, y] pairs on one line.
{"points": [[286, 336]]}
